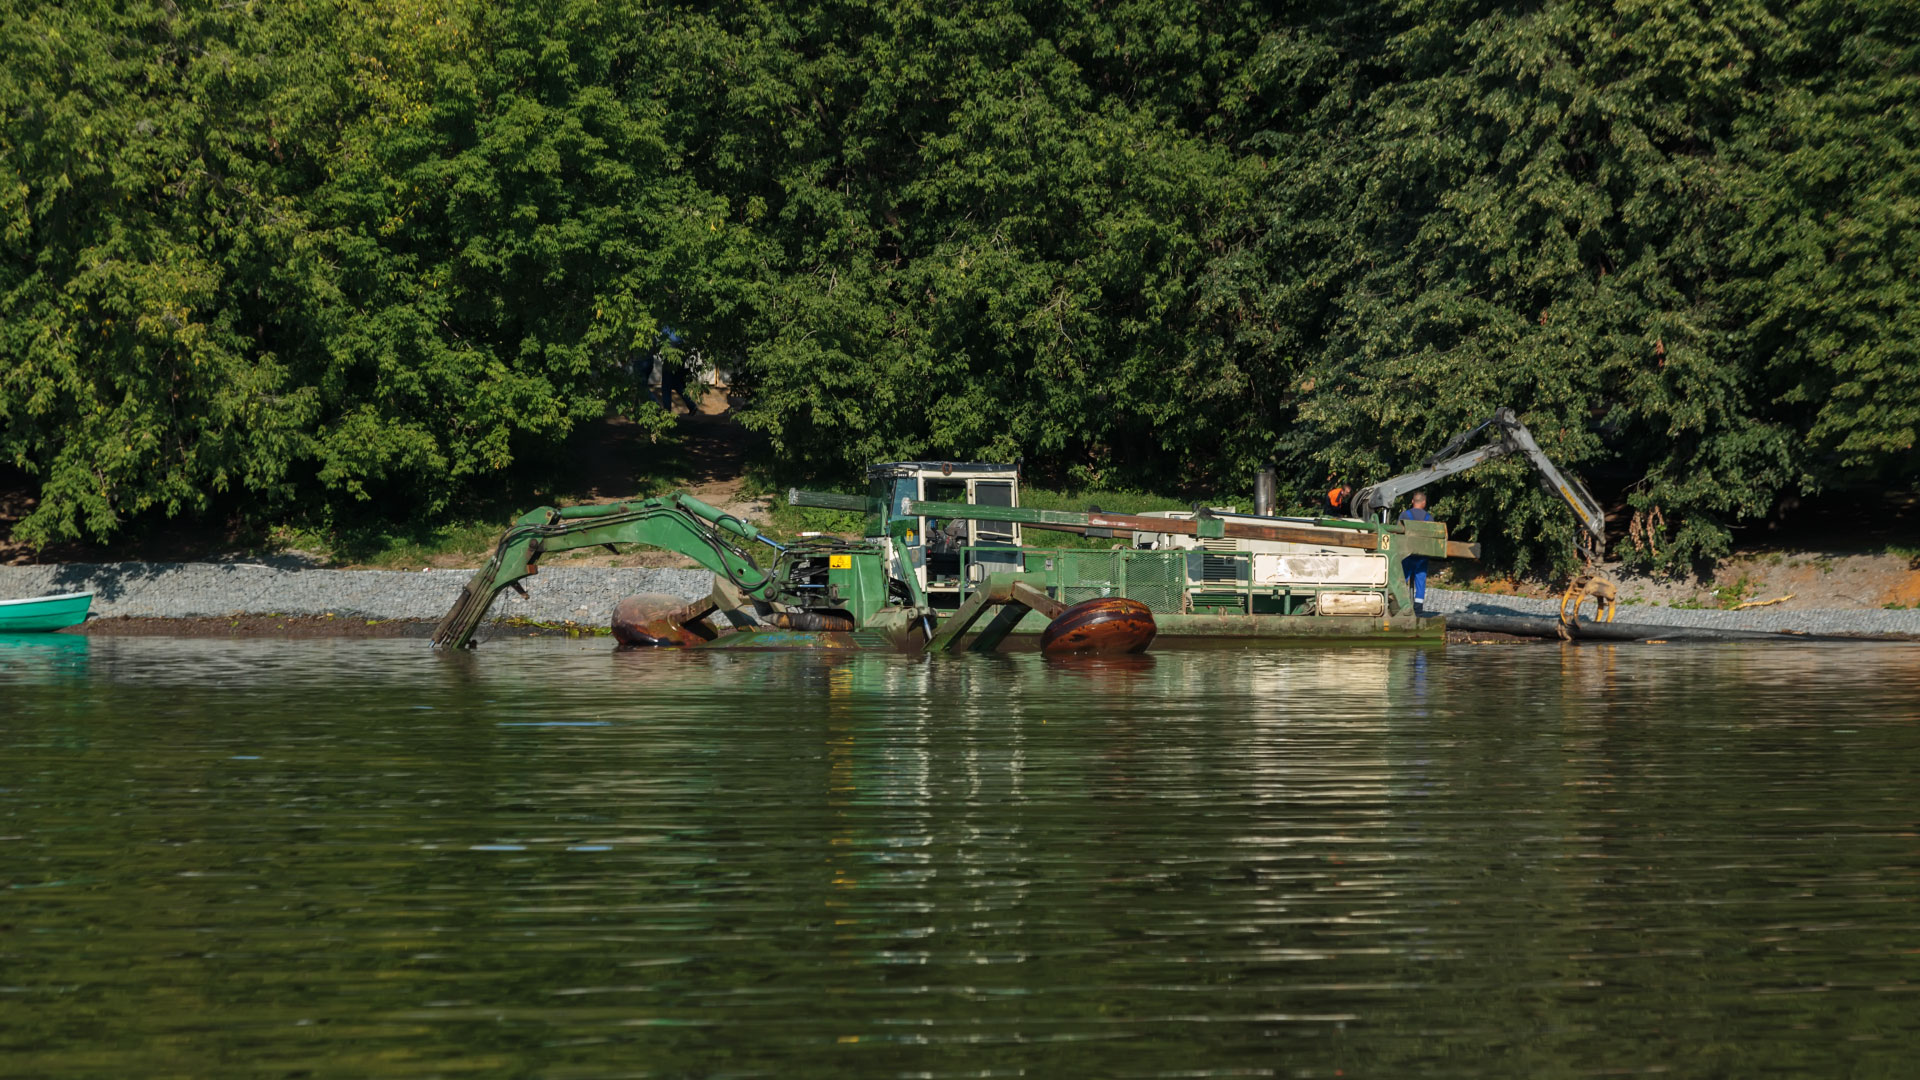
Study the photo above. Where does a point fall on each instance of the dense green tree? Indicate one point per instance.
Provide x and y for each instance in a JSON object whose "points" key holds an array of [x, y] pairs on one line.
{"points": [[145, 167], [361, 257], [1548, 207], [1822, 274], [510, 231], [985, 223]]}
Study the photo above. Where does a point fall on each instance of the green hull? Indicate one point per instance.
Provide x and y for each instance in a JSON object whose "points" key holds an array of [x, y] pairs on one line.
{"points": [[1283, 629], [816, 640], [42, 614], [1309, 629]]}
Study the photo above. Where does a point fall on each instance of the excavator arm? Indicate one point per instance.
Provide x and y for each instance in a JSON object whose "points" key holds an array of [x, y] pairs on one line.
{"points": [[1508, 436], [675, 523]]}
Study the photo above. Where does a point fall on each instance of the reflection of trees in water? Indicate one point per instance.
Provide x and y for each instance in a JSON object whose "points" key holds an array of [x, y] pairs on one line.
{"points": [[1529, 861]]}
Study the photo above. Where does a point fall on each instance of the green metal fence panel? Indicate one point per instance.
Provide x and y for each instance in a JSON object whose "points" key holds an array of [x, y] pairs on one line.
{"points": [[1158, 579], [1155, 578], [1168, 582]]}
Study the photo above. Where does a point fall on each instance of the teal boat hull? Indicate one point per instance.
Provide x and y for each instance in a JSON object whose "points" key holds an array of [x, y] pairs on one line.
{"points": [[43, 614]]}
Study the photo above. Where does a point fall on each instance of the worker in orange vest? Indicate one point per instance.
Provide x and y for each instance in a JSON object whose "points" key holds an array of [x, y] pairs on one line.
{"points": [[1338, 498]]}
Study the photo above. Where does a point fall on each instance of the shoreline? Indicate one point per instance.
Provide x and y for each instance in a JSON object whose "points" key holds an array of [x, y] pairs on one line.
{"points": [[314, 626], [258, 600], [580, 596]]}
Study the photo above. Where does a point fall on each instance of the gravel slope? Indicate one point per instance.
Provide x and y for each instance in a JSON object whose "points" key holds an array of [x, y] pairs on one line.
{"points": [[586, 595], [1807, 621], [192, 590]]}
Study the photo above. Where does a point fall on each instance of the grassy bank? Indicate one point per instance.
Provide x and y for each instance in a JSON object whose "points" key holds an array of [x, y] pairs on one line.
{"points": [[786, 521], [468, 543]]}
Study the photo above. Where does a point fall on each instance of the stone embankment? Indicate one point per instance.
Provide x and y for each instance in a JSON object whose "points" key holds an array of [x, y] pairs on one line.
{"points": [[1817, 621], [584, 596]]}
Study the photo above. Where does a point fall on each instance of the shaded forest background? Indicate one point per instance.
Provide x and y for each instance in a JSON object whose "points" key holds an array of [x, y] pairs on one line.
{"points": [[324, 258]]}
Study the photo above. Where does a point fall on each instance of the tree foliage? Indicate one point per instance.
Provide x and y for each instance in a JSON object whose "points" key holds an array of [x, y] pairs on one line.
{"points": [[368, 253]]}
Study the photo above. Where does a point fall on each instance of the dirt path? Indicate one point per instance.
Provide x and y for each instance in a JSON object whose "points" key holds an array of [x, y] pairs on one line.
{"points": [[717, 450], [613, 460]]}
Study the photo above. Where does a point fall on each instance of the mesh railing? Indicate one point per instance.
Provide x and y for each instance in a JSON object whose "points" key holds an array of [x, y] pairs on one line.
{"points": [[1157, 579], [1179, 581]]}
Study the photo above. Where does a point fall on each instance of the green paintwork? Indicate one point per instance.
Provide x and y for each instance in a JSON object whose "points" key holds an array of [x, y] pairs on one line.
{"points": [[1162, 579], [1323, 629], [861, 583], [820, 576], [1396, 541], [42, 614], [831, 500], [1404, 537], [830, 640], [1280, 629], [857, 577], [995, 592]]}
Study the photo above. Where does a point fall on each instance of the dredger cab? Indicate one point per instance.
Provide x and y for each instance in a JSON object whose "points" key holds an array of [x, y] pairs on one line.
{"points": [[935, 544]]}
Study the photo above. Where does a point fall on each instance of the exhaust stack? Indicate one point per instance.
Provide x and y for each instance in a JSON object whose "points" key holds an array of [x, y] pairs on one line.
{"points": [[1265, 492]]}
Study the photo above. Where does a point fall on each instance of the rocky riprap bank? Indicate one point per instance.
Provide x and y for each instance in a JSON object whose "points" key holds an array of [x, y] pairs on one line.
{"points": [[584, 595], [1761, 619]]}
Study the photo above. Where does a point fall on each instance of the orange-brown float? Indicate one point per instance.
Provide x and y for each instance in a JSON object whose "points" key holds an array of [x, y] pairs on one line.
{"points": [[656, 619], [1104, 625]]}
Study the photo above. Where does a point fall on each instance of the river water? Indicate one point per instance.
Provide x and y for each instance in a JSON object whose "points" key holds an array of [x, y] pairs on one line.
{"points": [[545, 859]]}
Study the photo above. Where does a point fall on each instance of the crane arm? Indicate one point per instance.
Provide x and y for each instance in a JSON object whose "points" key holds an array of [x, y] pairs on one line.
{"points": [[1380, 497], [1585, 508], [675, 522], [1510, 436]]}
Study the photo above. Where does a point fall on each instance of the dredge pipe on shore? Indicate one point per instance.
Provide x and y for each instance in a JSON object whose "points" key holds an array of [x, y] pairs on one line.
{"points": [[1543, 626]]}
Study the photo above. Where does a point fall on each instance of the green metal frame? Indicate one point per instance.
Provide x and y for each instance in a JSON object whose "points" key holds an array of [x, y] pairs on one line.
{"points": [[681, 523], [1041, 563], [1013, 594], [1240, 596], [1395, 540], [674, 522]]}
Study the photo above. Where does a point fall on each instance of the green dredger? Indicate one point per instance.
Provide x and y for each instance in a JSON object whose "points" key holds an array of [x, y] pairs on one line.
{"points": [[826, 593]]}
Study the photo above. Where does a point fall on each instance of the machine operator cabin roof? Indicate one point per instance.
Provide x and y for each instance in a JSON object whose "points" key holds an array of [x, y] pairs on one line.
{"points": [[944, 468]]}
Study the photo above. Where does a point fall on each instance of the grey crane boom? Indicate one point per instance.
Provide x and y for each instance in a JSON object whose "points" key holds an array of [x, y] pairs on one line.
{"points": [[1508, 436]]}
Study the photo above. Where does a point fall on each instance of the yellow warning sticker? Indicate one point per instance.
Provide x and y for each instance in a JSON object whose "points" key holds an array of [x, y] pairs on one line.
{"points": [[839, 562]]}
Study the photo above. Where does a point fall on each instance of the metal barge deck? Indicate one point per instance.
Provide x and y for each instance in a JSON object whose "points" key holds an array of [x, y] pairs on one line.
{"points": [[1179, 629]]}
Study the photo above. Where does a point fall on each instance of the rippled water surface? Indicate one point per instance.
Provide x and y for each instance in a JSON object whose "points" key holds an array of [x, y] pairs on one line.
{"points": [[360, 858]]}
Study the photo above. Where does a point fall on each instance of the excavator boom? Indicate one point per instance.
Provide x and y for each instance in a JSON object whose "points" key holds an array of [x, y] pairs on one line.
{"points": [[1509, 436], [675, 522]]}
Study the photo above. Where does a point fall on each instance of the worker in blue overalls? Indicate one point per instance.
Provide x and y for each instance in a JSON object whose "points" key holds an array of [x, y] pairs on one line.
{"points": [[1415, 566]]}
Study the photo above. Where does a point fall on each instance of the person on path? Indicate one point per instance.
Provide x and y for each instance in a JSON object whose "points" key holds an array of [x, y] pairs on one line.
{"points": [[1415, 566], [669, 360]]}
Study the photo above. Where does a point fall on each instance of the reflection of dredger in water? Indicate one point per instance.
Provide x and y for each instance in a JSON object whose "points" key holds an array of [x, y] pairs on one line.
{"points": [[1096, 665], [820, 593]]}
